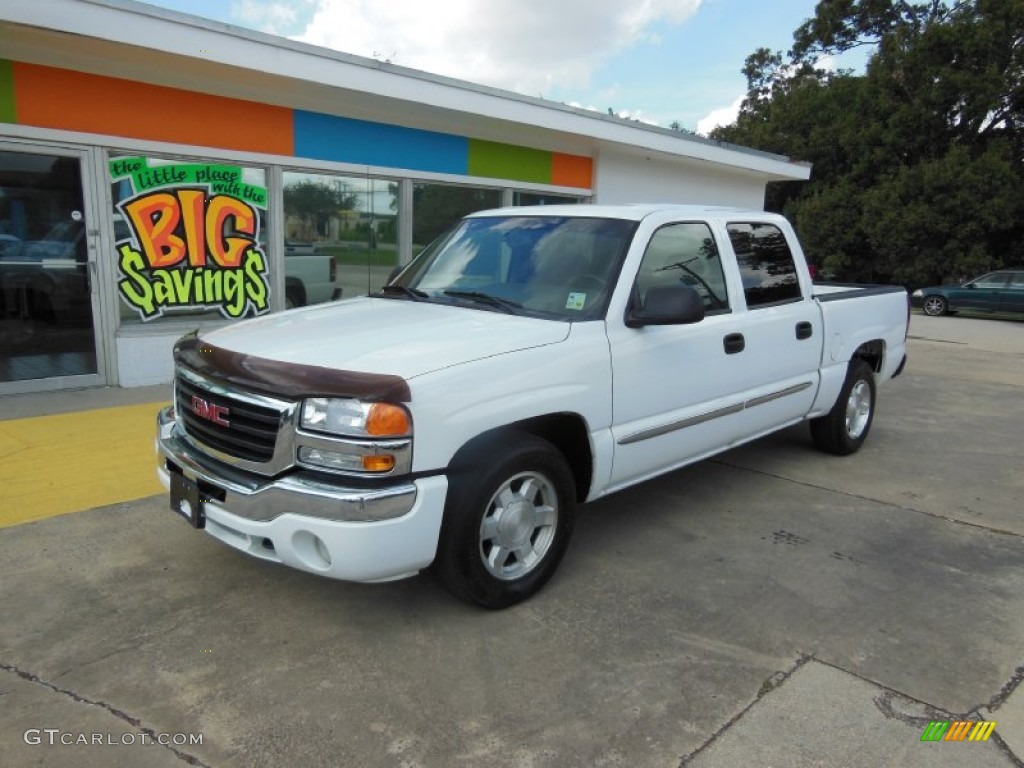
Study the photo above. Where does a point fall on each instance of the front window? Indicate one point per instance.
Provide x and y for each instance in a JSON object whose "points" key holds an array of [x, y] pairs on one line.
{"points": [[541, 198], [437, 207], [546, 266], [340, 236], [684, 253]]}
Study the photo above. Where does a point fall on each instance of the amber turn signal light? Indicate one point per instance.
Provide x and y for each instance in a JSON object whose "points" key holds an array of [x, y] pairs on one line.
{"points": [[380, 463], [387, 420]]}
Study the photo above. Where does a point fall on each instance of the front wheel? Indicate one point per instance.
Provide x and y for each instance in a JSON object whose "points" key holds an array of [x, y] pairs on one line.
{"points": [[507, 526], [935, 306], [843, 430]]}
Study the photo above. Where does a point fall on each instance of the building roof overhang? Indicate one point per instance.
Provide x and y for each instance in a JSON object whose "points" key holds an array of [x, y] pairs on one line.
{"points": [[127, 39]]}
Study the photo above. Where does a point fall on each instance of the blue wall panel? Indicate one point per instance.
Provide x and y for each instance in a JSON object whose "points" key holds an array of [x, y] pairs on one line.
{"points": [[327, 137]]}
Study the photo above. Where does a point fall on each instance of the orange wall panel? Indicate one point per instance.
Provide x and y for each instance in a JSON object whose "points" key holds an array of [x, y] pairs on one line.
{"points": [[572, 170], [76, 101]]}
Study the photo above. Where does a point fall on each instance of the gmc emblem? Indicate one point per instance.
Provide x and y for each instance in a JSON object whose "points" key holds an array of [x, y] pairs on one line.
{"points": [[218, 414]]}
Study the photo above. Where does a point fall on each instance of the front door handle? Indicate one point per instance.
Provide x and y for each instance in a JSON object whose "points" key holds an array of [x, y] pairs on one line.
{"points": [[734, 343], [804, 330]]}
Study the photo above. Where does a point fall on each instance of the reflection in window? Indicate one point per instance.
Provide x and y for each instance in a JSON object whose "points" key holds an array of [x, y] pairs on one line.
{"points": [[436, 207], [991, 280], [766, 264], [538, 198], [687, 254], [560, 267], [341, 235], [46, 326]]}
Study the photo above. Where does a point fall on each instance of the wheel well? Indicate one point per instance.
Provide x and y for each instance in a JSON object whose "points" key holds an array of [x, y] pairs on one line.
{"points": [[566, 431], [295, 287], [871, 352]]}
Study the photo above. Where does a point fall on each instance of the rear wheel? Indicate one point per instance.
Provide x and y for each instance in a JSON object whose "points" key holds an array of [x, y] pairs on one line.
{"points": [[843, 430], [294, 293], [935, 306], [506, 527]]}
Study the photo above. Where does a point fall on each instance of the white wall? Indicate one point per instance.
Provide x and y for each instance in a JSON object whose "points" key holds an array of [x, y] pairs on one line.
{"points": [[145, 360], [631, 177]]}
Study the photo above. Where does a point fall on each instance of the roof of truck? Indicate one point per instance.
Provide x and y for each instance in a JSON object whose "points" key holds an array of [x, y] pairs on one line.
{"points": [[633, 211]]}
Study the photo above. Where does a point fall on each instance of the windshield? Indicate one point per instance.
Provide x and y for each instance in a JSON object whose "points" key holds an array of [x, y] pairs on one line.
{"points": [[560, 267]]}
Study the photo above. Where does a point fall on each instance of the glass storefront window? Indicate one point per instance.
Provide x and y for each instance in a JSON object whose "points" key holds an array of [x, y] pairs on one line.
{"points": [[436, 207], [540, 198], [190, 239], [341, 235]]}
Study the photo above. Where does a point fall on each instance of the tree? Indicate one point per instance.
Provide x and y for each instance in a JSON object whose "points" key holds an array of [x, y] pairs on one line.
{"points": [[919, 162], [439, 206], [316, 202]]}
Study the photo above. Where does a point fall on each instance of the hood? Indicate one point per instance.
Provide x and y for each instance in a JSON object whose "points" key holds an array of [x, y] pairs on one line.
{"points": [[386, 336]]}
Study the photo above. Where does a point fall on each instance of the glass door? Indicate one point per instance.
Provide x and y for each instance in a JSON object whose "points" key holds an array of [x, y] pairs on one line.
{"points": [[47, 318]]}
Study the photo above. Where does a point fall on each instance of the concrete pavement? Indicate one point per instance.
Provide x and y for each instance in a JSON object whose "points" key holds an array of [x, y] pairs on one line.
{"points": [[770, 607]]}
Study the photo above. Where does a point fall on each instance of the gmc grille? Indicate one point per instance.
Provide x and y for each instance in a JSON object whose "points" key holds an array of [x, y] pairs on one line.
{"points": [[251, 431]]}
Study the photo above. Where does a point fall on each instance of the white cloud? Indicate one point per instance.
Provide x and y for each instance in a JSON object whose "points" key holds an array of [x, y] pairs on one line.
{"points": [[527, 46], [727, 115], [721, 116]]}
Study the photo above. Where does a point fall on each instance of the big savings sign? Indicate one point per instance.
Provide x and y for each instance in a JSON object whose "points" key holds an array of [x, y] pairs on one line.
{"points": [[193, 239]]}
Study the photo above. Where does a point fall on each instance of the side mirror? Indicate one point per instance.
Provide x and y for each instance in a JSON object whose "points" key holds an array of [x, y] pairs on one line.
{"points": [[972, 286], [667, 305]]}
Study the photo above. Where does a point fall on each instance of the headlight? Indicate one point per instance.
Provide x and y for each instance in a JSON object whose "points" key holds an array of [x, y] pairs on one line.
{"points": [[917, 293], [355, 418]]}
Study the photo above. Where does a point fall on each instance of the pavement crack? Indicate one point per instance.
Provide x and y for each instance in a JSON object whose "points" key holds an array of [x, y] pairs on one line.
{"points": [[1001, 743], [884, 704], [769, 685], [894, 505], [1004, 693], [118, 713]]}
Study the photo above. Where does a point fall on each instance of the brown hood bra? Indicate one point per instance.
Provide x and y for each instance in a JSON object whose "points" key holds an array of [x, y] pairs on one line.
{"points": [[287, 380]]}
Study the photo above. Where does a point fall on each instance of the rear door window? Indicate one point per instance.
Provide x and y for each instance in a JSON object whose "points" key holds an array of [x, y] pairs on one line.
{"points": [[766, 264]]}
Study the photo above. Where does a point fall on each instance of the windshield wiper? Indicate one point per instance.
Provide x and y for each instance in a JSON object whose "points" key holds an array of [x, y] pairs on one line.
{"points": [[403, 290], [485, 298]]}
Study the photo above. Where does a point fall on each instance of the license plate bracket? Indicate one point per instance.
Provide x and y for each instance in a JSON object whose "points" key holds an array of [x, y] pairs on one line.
{"points": [[187, 501]]}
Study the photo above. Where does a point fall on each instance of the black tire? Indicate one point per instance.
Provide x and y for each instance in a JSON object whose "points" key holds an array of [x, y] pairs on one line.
{"points": [[294, 296], [935, 306], [843, 430], [496, 554]]}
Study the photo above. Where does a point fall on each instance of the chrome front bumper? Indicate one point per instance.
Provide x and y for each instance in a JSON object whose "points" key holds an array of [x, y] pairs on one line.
{"points": [[262, 499]]}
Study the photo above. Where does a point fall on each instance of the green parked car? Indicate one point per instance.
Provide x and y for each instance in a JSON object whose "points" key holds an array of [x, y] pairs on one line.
{"points": [[1001, 291]]}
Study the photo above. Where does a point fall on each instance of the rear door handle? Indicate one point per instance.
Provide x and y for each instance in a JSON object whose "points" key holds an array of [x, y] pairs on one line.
{"points": [[734, 343], [804, 330]]}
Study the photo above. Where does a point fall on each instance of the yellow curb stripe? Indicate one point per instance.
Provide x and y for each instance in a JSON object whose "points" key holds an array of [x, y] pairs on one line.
{"points": [[53, 465]]}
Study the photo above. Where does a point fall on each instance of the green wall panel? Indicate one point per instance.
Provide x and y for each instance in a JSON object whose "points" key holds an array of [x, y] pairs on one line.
{"points": [[8, 114], [506, 161]]}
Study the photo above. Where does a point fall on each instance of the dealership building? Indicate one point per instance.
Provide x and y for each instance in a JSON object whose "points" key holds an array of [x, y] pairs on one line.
{"points": [[160, 172]]}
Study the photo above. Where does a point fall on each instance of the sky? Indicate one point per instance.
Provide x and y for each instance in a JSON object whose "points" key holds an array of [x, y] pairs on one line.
{"points": [[658, 61]]}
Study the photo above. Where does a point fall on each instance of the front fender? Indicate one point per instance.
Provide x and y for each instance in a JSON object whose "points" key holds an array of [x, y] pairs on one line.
{"points": [[451, 407]]}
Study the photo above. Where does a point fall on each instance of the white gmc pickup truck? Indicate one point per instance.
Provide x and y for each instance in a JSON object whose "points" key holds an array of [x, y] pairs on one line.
{"points": [[529, 360]]}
